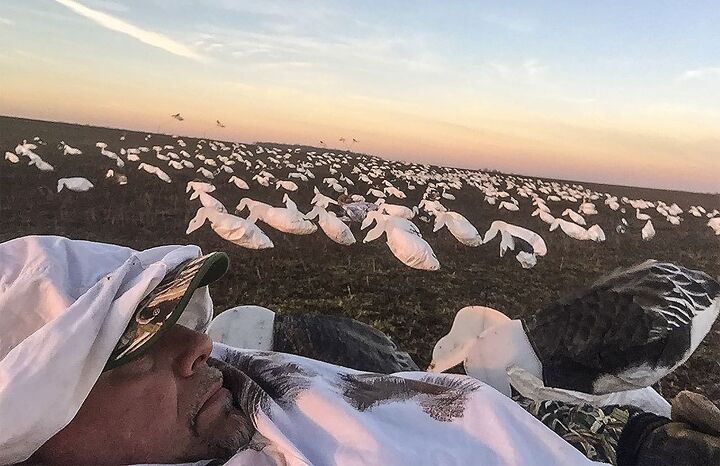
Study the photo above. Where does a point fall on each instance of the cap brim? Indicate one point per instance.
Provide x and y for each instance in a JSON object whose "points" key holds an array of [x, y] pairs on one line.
{"points": [[161, 309]]}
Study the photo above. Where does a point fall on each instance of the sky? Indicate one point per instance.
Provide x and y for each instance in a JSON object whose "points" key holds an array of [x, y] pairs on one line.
{"points": [[614, 91]]}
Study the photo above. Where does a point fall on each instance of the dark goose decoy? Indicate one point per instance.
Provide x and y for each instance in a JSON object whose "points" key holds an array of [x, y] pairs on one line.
{"points": [[337, 340], [626, 331]]}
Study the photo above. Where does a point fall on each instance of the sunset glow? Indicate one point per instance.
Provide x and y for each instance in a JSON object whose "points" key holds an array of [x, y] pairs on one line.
{"points": [[619, 93]]}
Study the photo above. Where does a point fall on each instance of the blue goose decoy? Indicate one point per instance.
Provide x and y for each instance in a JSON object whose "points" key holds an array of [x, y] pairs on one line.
{"points": [[626, 331], [337, 340]]}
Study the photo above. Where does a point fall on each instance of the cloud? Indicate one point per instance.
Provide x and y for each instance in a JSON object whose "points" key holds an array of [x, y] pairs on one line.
{"points": [[7, 22], [527, 69], [359, 51], [701, 73], [115, 24], [532, 67]]}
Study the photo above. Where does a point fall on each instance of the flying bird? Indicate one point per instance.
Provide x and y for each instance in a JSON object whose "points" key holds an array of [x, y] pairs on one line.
{"points": [[219, 124], [178, 117]]}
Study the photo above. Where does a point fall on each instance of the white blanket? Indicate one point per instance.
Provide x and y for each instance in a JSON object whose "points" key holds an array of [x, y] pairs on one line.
{"points": [[308, 412], [64, 305]]}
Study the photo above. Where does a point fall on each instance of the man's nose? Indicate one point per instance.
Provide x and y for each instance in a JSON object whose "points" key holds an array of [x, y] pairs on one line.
{"points": [[196, 349]]}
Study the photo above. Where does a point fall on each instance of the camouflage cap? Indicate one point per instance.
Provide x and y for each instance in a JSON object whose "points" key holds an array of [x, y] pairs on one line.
{"points": [[160, 310]]}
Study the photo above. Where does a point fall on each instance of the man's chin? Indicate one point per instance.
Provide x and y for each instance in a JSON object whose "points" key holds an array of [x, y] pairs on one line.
{"points": [[231, 434]]}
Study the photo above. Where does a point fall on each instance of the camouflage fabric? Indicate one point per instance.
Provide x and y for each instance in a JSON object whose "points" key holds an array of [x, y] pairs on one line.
{"points": [[357, 211], [593, 431]]}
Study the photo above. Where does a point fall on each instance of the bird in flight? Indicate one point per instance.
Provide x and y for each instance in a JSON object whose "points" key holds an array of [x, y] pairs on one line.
{"points": [[219, 124], [178, 117]]}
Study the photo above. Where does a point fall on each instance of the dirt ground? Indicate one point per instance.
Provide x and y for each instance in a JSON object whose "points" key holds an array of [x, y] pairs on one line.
{"points": [[364, 281]]}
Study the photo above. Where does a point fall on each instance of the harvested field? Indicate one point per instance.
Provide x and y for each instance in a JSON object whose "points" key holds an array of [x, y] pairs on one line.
{"points": [[364, 281]]}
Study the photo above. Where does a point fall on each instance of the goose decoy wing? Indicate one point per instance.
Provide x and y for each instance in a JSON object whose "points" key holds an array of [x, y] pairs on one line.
{"points": [[627, 330]]}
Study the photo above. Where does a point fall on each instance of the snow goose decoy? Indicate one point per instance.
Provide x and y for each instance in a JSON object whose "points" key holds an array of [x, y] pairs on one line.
{"points": [[396, 210], [208, 201], [573, 230], [77, 184], [336, 340], [333, 227], [574, 216], [237, 230], [459, 227], [155, 171], [12, 158], [238, 182], [282, 219], [403, 239], [199, 186], [714, 223], [321, 200], [648, 231], [512, 236], [626, 331]]}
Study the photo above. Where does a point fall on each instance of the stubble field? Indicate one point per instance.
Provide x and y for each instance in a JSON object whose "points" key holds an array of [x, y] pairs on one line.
{"points": [[312, 274]]}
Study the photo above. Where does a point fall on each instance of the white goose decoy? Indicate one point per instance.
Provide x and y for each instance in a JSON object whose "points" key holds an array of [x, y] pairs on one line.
{"points": [[640, 216], [648, 231], [714, 223], [12, 158], [321, 200], [544, 216], [531, 242], [459, 227], [69, 150], [286, 185], [208, 201], [675, 220], [77, 184], [118, 178], [199, 186], [238, 182], [336, 340], [393, 191], [375, 192], [508, 206], [406, 245], [574, 216], [395, 209], [595, 233], [396, 222], [235, 229], [573, 230], [282, 219], [206, 173], [626, 331], [263, 181], [333, 227], [447, 195], [155, 171], [431, 206], [587, 208], [41, 165]]}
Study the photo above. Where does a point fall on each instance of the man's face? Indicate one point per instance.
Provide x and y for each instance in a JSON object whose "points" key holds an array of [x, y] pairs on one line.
{"points": [[168, 406]]}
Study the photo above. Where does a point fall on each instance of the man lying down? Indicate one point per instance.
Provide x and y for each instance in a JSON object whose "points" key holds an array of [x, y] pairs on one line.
{"points": [[103, 361]]}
